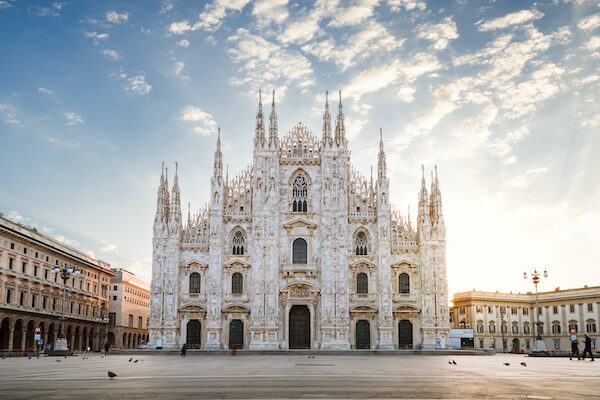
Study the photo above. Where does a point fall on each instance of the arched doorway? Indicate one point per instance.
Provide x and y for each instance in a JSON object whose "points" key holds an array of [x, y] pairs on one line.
{"points": [[29, 338], [18, 335], [405, 334], [111, 339], [134, 343], [193, 340], [4, 333], [69, 337], [129, 343], [299, 327], [236, 334], [91, 340], [51, 338], [76, 340], [363, 334], [516, 346], [84, 338], [124, 342]]}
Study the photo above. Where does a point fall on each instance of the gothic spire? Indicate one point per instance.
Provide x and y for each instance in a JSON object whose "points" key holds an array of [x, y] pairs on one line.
{"points": [[218, 166], [423, 199], [340, 128], [160, 197], [259, 138], [273, 124], [381, 163], [327, 139], [175, 211], [436, 197]]}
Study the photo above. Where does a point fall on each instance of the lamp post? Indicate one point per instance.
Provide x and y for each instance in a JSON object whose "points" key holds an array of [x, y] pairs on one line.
{"points": [[536, 276], [61, 348], [502, 310]]}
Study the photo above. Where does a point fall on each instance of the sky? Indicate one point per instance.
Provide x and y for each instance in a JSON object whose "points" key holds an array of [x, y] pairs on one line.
{"points": [[500, 95]]}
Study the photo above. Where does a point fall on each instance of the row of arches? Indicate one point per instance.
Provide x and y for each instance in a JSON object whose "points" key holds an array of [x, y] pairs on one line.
{"points": [[129, 340], [20, 335]]}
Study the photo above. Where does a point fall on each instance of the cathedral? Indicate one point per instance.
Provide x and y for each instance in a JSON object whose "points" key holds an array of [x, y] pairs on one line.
{"points": [[299, 251]]}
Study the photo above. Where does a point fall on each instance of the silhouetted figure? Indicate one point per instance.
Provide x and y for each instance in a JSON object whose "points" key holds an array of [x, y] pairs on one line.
{"points": [[574, 349], [106, 347], [183, 350], [588, 347]]}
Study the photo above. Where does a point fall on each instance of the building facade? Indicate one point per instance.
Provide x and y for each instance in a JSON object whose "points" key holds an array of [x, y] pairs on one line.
{"points": [[299, 251], [507, 320], [129, 308], [31, 294]]}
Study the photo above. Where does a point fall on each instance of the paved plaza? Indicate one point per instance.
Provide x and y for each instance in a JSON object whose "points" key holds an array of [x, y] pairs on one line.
{"points": [[242, 376]]}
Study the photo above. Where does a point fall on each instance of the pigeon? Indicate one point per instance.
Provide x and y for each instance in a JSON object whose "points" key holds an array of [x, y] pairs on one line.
{"points": [[30, 356], [111, 374], [453, 362], [136, 361], [450, 362], [523, 364], [57, 360], [130, 359], [507, 364], [101, 356]]}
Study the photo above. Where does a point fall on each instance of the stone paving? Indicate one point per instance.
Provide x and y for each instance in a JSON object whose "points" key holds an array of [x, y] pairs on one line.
{"points": [[360, 376]]}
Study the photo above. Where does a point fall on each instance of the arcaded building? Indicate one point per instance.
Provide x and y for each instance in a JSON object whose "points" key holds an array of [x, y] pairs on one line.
{"points": [[299, 250], [31, 294]]}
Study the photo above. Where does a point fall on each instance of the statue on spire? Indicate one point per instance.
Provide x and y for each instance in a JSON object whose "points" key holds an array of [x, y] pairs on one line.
{"points": [[327, 139], [381, 163], [218, 165]]}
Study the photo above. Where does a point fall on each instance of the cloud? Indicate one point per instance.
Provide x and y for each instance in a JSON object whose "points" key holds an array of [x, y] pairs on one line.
{"points": [[183, 43], [179, 27], [516, 18], [304, 28], [592, 44], [354, 14], [52, 11], [589, 23], [406, 94], [96, 37], [137, 84], [374, 38], [439, 34], [267, 64], [167, 6], [114, 17], [502, 147], [107, 247], [4, 4], [408, 5], [73, 118], [46, 92], [267, 11], [112, 54], [212, 16], [525, 179], [61, 142], [179, 65], [206, 124], [393, 73], [8, 113], [15, 216], [68, 242]]}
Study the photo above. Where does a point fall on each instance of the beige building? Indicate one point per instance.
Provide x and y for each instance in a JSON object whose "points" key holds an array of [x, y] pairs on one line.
{"points": [[31, 294], [510, 317], [129, 309]]}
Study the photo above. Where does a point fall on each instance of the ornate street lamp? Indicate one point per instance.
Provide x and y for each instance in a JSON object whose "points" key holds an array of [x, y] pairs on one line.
{"points": [[540, 345], [61, 348]]}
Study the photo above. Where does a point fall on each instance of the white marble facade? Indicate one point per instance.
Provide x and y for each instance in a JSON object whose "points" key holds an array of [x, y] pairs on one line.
{"points": [[299, 251]]}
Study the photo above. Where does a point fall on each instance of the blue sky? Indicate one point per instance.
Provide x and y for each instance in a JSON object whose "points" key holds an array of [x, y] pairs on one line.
{"points": [[501, 95]]}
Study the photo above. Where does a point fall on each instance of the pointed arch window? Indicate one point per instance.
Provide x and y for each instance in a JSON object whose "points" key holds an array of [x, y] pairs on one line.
{"points": [[300, 194], [362, 283], [404, 283], [299, 251], [238, 243], [237, 283], [361, 244], [194, 282]]}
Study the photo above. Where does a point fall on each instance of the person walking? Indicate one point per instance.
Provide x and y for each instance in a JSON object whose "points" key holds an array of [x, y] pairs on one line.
{"points": [[588, 347], [574, 348], [183, 350], [106, 347]]}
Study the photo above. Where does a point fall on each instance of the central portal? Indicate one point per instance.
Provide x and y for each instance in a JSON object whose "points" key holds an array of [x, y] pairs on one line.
{"points": [[299, 327]]}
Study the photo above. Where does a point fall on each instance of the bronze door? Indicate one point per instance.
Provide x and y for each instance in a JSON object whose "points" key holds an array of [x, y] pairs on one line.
{"points": [[299, 327], [363, 334], [236, 334], [193, 334], [405, 334]]}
